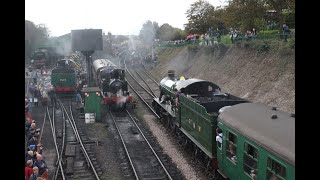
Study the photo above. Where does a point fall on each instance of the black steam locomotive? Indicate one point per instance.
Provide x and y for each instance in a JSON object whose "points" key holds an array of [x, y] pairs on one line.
{"points": [[112, 83]]}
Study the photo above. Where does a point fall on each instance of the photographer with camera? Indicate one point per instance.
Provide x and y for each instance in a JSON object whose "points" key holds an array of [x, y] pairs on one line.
{"points": [[33, 141]]}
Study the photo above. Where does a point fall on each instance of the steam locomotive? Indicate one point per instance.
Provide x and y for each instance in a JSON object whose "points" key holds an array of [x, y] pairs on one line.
{"points": [[44, 56], [63, 77], [112, 83]]}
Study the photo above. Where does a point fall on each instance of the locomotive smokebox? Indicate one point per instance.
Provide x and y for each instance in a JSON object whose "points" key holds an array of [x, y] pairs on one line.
{"points": [[171, 74]]}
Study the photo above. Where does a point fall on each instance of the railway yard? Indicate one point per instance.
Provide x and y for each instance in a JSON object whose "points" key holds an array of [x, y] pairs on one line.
{"points": [[145, 129], [129, 144], [141, 90], [142, 128]]}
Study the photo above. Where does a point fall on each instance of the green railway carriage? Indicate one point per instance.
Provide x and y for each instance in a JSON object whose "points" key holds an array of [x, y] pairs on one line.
{"points": [[258, 143], [194, 116]]}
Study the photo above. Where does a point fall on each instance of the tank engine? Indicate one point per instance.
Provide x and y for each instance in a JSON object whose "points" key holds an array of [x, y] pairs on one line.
{"points": [[112, 83], [63, 77]]}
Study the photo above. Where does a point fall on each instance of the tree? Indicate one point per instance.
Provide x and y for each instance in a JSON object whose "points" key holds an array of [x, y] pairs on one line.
{"points": [[167, 32], [278, 5], [35, 36], [148, 32], [200, 17], [245, 14]]}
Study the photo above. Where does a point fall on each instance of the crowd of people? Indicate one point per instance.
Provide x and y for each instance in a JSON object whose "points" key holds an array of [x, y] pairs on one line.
{"points": [[213, 36], [35, 167]]}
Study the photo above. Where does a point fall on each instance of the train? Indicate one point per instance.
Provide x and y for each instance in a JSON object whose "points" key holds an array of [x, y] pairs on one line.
{"points": [[64, 77], [44, 57], [112, 83], [258, 143], [199, 113]]}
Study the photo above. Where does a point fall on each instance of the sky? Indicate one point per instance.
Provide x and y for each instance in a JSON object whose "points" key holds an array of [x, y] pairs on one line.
{"points": [[120, 17]]}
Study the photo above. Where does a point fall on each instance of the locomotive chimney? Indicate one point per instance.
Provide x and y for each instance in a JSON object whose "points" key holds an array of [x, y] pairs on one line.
{"points": [[171, 74]]}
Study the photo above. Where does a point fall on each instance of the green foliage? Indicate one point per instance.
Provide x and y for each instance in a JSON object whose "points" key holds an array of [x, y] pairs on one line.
{"points": [[260, 24], [201, 16], [226, 39], [167, 33], [245, 14]]}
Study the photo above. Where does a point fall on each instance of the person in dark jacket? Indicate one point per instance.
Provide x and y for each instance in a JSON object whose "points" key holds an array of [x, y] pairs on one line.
{"points": [[31, 156], [33, 142], [41, 164], [285, 31]]}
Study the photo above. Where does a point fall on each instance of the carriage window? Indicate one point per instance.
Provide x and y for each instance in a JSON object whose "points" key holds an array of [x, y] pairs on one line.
{"points": [[209, 88], [231, 145], [250, 160], [275, 170]]}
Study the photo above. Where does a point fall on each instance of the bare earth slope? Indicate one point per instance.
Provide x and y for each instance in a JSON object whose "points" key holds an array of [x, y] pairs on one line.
{"points": [[268, 78]]}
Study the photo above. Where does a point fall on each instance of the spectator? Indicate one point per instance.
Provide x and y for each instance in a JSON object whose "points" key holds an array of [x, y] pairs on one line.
{"points": [[41, 164], [232, 35], [28, 171], [206, 38], [285, 32], [211, 36], [33, 142], [35, 173], [31, 131], [218, 34], [248, 35], [30, 155], [254, 33], [78, 97], [194, 38], [27, 107], [30, 67], [28, 123], [219, 137]]}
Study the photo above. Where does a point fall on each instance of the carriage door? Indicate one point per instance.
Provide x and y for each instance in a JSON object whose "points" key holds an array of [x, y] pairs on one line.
{"points": [[220, 147]]}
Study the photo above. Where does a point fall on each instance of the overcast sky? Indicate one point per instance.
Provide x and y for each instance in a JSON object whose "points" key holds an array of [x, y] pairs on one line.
{"points": [[115, 16]]}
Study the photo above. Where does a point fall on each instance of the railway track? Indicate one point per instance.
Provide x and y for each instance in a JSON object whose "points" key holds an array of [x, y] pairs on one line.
{"points": [[144, 161], [148, 81], [142, 92], [138, 83], [75, 159]]}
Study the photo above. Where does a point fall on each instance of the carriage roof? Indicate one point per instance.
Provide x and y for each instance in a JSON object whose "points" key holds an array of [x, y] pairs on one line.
{"points": [[256, 121]]}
